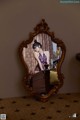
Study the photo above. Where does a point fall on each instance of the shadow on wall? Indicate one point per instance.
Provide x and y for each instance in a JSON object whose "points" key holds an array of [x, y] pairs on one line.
{"points": [[21, 73], [74, 72]]}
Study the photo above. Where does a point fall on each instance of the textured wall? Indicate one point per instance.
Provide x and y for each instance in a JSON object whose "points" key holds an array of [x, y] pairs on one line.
{"points": [[17, 19]]}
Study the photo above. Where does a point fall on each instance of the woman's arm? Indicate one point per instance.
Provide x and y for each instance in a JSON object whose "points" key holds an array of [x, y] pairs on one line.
{"points": [[37, 58]]}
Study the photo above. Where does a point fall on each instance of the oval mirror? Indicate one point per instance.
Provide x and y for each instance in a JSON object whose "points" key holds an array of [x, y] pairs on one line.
{"points": [[42, 55]]}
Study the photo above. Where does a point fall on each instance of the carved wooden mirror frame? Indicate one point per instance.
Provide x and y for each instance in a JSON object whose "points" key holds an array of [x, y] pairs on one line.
{"points": [[42, 27]]}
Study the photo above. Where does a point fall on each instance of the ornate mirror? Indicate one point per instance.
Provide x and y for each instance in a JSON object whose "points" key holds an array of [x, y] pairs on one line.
{"points": [[42, 55]]}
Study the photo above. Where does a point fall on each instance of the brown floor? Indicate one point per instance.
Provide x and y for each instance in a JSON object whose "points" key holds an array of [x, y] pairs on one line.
{"points": [[59, 107]]}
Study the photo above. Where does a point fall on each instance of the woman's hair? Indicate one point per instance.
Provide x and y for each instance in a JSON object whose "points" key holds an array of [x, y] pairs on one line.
{"points": [[36, 44]]}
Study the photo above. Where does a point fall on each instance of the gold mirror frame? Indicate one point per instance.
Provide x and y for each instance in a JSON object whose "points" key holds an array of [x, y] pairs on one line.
{"points": [[42, 27]]}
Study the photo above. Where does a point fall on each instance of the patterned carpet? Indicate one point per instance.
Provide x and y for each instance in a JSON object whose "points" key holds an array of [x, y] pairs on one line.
{"points": [[59, 107]]}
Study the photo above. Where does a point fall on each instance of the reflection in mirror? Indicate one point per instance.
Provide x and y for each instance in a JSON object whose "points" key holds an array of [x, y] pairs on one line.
{"points": [[57, 55], [42, 56]]}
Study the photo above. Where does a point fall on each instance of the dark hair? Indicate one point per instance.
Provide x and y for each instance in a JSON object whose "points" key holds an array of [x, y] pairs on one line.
{"points": [[36, 44]]}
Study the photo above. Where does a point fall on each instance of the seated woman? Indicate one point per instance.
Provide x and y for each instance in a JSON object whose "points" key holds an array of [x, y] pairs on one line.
{"points": [[42, 57], [43, 80], [39, 78]]}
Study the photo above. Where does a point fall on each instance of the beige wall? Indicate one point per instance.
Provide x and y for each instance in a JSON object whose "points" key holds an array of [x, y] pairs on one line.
{"points": [[17, 19]]}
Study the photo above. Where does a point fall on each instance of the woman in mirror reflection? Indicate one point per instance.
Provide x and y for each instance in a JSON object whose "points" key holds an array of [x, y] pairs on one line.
{"points": [[42, 57]]}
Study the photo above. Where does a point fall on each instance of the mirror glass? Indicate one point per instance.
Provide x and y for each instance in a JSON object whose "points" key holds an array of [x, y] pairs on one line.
{"points": [[41, 57]]}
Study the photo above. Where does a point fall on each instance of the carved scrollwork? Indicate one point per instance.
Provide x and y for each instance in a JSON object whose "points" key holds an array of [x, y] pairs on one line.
{"points": [[41, 27]]}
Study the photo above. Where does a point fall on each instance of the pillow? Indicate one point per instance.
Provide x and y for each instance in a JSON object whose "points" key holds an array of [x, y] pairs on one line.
{"points": [[53, 77]]}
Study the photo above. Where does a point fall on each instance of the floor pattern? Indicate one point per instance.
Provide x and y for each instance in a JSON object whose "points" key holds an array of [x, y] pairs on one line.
{"points": [[58, 107]]}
